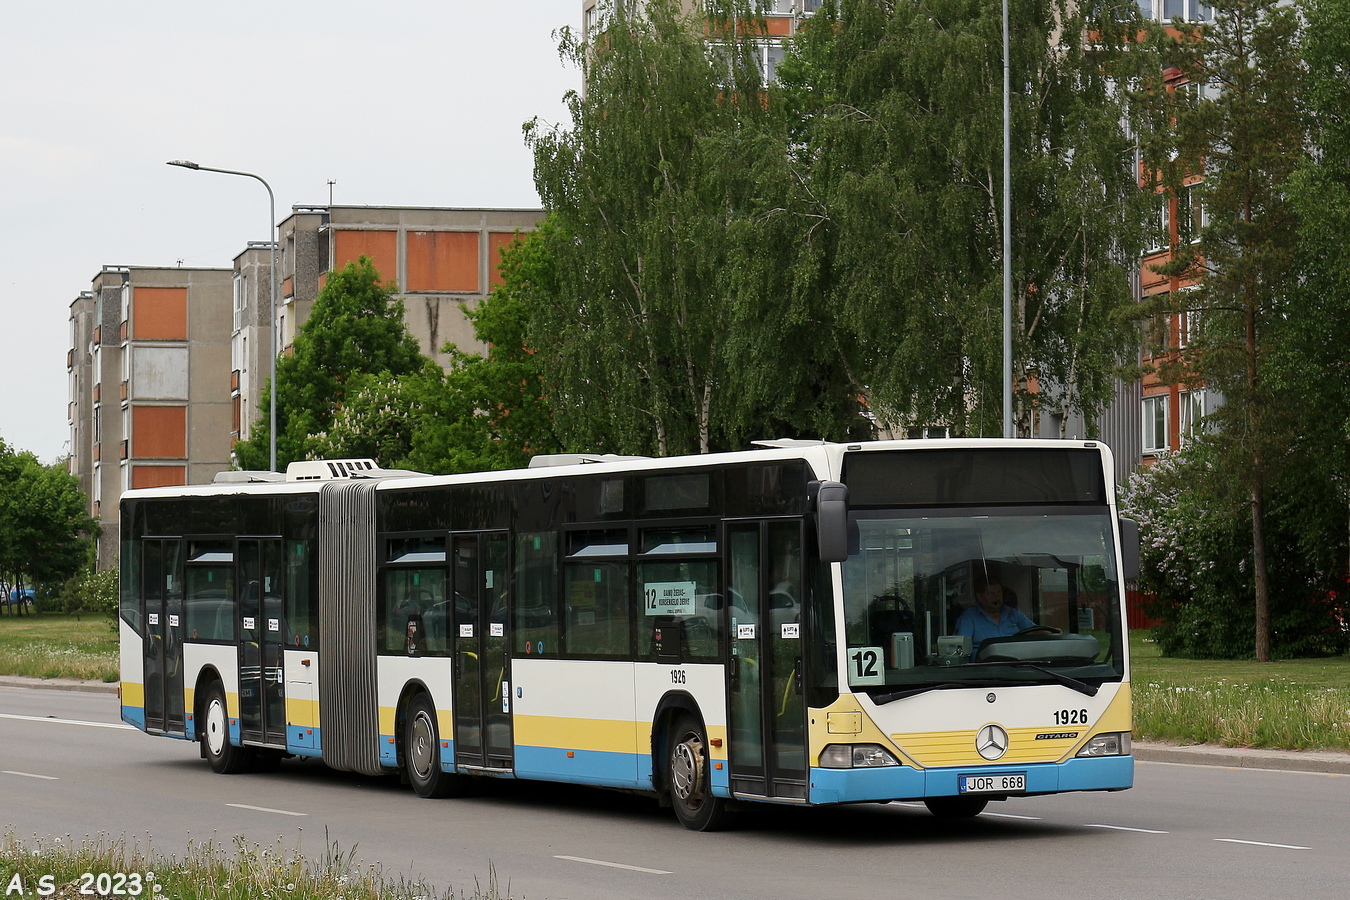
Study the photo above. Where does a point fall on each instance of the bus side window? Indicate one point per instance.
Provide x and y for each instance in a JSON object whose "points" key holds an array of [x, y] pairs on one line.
{"points": [[536, 594]]}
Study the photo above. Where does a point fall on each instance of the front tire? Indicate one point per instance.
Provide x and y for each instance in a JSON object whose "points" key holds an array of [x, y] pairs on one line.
{"points": [[956, 807], [422, 753], [687, 771], [225, 758]]}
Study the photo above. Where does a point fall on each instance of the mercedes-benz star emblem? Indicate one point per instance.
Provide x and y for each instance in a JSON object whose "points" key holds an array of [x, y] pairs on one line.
{"points": [[991, 742]]}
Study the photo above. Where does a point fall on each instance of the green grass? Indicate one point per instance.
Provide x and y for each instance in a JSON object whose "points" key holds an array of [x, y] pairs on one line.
{"points": [[59, 646], [1298, 704], [209, 871]]}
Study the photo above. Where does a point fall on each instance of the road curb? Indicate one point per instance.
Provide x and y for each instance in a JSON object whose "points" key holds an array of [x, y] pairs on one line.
{"points": [[59, 684], [1319, 761]]}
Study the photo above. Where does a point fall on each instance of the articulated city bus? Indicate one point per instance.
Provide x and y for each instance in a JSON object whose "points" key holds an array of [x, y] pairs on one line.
{"points": [[808, 623]]}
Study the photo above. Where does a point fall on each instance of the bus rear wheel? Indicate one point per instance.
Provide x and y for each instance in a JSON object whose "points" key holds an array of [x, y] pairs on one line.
{"points": [[956, 807], [422, 753], [689, 780], [225, 758]]}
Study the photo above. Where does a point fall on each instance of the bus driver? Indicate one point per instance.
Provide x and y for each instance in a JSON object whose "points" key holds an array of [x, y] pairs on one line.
{"points": [[989, 617]]}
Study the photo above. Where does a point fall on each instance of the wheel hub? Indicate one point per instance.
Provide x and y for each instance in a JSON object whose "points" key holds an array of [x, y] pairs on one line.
{"points": [[686, 770]]}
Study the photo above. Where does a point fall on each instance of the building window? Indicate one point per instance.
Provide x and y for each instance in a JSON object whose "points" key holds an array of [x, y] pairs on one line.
{"points": [[1191, 217], [1155, 424], [1192, 411], [1161, 234]]}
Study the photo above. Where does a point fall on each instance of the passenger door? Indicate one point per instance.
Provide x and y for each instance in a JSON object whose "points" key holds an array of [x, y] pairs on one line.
{"points": [[262, 686], [483, 733], [162, 589], [766, 708]]}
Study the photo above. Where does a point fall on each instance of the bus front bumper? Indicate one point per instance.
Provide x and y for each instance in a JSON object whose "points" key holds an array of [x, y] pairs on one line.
{"points": [[1108, 773]]}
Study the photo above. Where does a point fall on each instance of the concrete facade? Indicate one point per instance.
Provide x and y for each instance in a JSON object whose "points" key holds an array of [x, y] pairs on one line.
{"points": [[150, 403]]}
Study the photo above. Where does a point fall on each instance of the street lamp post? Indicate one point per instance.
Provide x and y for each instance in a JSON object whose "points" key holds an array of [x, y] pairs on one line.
{"points": [[1007, 236], [271, 224]]}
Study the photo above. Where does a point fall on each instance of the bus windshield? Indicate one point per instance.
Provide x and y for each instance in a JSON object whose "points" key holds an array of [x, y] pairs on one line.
{"points": [[963, 598]]}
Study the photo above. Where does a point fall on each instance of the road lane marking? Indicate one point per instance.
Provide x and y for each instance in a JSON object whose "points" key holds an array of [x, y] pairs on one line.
{"points": [[1011, 816], [1126, 828], [1262, 844], [280, 812], [67, 721], [30, 775], [614, 865]]}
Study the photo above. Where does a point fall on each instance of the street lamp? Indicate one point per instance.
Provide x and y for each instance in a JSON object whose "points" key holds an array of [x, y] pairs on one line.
{"points": [[1007, 236], [271, 223]]}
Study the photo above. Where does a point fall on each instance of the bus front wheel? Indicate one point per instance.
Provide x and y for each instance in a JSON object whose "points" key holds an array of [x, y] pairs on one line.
{"points": [[422, 753], [225, 758], [687, 771], [956, 807]]}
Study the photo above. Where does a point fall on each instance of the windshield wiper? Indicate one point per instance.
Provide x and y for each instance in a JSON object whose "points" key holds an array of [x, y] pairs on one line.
{"points": [[882, 699], [1081, 687]]}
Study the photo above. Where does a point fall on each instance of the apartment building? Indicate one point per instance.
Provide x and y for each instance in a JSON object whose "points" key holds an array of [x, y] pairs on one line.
{"points": [[781, 20], [149, 392], [1170, 407], [437, 257]]}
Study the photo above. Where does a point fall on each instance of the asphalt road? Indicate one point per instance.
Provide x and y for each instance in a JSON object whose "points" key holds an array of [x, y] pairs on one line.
{"points": [[1183, 831]]}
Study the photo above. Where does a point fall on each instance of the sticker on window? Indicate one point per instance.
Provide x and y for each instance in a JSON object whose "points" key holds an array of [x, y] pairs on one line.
{"points": [[745, 632], [791, 631], [669, 598]]}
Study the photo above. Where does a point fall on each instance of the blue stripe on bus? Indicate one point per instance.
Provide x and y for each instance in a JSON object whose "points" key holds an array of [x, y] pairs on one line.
{"points": [[904, 783], [304, 741], [134, 715], [598, 767]]}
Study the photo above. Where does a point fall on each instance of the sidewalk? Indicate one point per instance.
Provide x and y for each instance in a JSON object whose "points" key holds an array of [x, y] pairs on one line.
{"points": [[1325, 761], [58, 684]]}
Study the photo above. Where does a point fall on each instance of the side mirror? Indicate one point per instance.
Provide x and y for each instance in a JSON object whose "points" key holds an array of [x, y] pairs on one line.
{"points": [[832, 521], [1129, 549]]}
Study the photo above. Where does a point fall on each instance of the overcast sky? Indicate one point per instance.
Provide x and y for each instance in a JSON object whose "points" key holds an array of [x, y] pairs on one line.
{"points": [[401, 102]]}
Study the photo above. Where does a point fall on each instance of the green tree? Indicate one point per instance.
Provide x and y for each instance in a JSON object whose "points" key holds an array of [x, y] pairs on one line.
{"points": [[485, 412], [1246, 133], [355, 329], [898, 140], [670, 317], [1196, 555], [1315, 341], [45, 527]]}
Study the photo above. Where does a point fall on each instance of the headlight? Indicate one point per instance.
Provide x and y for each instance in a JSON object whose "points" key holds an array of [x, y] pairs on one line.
{"points": [[856, 756], [1113, 744]]}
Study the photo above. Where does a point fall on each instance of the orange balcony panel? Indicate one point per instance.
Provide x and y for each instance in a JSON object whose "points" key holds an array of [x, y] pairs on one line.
{"points": [[124, 390], [98, 390], [159, 432], [159, 314], [443, 261], [123, 331], [380, 246], [98, 334], [124, 449], [234, 380], [158, 476], [288, 287], [497, 242], [70, 359]]}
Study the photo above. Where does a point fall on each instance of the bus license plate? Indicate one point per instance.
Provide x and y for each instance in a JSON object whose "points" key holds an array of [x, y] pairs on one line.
{"points": [[994, 784]]}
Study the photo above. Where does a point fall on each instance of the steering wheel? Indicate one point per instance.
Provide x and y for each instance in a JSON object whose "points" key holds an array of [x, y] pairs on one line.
{"points": [[1039, 629]]}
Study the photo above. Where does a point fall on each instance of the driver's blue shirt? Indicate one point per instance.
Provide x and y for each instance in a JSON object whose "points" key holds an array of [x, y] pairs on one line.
{"points": [[980, 627]]}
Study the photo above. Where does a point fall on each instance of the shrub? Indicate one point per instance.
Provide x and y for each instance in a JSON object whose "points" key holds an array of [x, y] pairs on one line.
{"points": [[1196, 562]]}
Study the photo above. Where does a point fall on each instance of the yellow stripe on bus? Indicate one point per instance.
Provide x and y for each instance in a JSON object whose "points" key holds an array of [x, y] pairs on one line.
{"points": [[133, 694]]}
